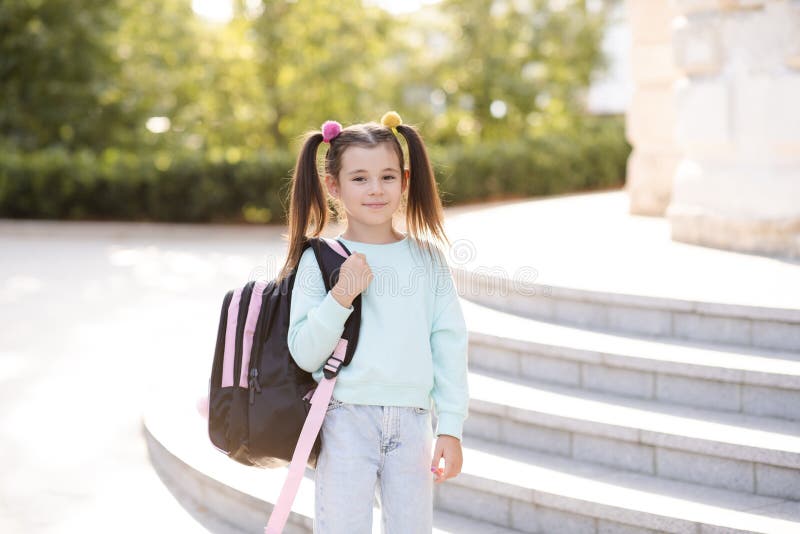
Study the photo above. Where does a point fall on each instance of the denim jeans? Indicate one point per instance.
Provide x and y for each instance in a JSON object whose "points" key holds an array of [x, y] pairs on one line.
{"points": [[366, 448]]}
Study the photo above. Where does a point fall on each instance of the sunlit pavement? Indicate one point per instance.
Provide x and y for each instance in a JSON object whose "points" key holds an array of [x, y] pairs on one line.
{"points": [[92, 315], [590, 241]]}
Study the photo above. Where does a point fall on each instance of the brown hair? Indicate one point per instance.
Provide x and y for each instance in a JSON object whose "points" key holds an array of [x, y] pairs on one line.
{"points": [[309, 201]]}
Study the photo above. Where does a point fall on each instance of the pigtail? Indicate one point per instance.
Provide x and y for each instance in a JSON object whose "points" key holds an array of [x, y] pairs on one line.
{"points": [[308, 202], [424, 212]]}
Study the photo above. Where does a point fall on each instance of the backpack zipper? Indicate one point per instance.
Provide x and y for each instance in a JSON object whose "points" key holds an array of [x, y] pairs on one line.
{"points": [[254, 385]]}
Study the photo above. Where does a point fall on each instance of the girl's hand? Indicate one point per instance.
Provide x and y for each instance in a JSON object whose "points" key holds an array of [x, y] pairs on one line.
{"points": [[354, 277], [449, 448]]}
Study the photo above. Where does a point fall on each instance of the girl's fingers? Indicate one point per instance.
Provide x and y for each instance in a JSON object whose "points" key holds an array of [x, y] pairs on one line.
{"points": [[438, 472], [438, 457]]}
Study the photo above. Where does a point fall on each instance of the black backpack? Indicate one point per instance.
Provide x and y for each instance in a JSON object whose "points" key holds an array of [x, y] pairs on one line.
{"points": [[258, 418]]}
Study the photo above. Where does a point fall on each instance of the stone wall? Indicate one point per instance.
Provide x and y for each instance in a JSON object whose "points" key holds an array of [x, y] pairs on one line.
{"points": [[718, 152]]}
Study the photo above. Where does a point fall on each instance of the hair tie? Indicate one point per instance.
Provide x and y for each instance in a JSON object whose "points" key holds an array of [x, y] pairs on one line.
{"points": [[391, 120], [330, 129]]}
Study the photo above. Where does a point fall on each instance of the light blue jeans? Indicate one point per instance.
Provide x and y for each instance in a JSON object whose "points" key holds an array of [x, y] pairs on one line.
{"points": [[366, 444]]}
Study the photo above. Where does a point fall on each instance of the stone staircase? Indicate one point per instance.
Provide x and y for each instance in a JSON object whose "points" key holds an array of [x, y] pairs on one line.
{"points": [[573, 430], [596, 412]]}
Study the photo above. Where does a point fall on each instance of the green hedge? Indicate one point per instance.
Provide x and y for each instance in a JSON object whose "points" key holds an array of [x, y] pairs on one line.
{"points": [[113, 185], [194, 187], [591, 158]]}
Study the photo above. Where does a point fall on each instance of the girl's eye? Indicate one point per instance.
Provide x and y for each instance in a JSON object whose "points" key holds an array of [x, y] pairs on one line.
{"points": [[362, 178]]}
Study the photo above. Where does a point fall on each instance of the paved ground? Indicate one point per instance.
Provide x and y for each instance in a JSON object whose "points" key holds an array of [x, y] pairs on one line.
{"points": [[589, 241], [91, 315]]}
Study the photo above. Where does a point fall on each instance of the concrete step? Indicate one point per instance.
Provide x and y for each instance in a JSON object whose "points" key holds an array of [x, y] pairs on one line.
{"points": [[705, 375], [537, 492], [734, 324], [235, 498], [749, 454]]}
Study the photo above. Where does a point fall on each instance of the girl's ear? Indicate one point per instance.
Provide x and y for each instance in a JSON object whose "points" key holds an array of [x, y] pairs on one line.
{"points": [[406, 176], [330, 183]]}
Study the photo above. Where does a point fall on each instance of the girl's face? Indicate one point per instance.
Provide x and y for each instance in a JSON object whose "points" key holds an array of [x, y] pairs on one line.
{"points": [[371, 184]]}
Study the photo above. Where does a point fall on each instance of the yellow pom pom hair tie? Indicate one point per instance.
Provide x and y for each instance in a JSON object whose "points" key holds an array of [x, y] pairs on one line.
{"points": [[391, 120]]}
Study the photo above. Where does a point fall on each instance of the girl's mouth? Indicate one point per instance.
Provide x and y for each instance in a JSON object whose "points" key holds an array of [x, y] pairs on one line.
{"points": [[376, 206]]}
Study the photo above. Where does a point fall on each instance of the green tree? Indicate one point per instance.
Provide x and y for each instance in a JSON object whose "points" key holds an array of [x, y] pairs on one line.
{"points": [[198, 75], [532, 61], [318, 61], [56, 68]]}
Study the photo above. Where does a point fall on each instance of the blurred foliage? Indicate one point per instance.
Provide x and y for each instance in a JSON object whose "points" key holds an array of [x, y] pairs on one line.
{"points": [[56, 66], [58, 184], [124, 109], [535, 62], [589, 157], [55, 183]]}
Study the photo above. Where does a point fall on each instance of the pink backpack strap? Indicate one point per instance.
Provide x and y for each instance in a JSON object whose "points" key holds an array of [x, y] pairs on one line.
{"points": [[253, 311], [335, 245], [319, 407], [230, 339]]}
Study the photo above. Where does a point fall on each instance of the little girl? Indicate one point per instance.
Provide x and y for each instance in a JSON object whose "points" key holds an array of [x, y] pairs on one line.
{"points": [[412, 344]]}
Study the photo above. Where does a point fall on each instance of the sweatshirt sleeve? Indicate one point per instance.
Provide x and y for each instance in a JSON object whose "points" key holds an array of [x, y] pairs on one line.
{"points": [[316, 319], [449, 341]]}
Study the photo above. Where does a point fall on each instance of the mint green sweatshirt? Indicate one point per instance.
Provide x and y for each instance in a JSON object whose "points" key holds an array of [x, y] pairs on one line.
{"points": [[412, 346]]}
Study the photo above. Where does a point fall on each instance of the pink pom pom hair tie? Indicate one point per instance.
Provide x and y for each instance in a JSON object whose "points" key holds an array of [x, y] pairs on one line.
{"points": [[330, 129]]}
